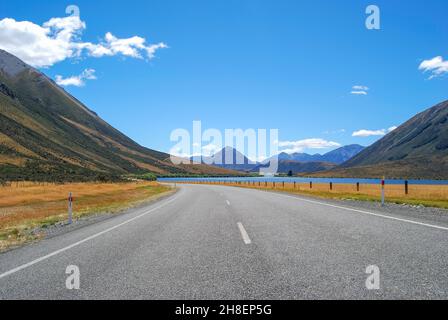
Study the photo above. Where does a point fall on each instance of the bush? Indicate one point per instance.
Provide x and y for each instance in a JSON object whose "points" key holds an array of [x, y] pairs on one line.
{"points": [[148, 176]]}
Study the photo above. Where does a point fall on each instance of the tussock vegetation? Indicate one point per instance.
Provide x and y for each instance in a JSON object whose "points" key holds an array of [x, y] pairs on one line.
{"points": [[25, 206], [48, 135]]}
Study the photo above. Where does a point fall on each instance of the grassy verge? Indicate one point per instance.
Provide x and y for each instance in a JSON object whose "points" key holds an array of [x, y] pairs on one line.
{"points": [[29, 206], [428, 196], [436, 203]]}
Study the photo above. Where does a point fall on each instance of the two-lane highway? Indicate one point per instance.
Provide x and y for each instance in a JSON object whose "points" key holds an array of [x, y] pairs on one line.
{"points": [[216, 242]]}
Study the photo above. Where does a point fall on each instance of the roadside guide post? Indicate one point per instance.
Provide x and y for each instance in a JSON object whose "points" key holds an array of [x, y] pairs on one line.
{"points": [[382, 191], [70, 208]]}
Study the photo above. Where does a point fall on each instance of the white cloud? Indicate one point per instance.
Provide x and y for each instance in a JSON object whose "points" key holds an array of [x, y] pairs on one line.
{"points": [[370, 133], [392, 128], [130, 47], [210, 149], [60, 38], [206, 151], [437, 66], [300, 145], [359, 90], [364, 93], [334, 131], [77, 81]]}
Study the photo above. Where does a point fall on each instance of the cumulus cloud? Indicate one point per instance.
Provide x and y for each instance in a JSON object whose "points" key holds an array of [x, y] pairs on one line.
{"points": [[370, 133], [132, 47], [206, 151], [60, 38], [210, 149], [300, 145], [77, 81], [360, 90], [436, 66]]}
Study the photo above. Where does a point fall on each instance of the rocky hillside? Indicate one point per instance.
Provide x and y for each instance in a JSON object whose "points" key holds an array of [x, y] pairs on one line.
{"points": [[47, 134], [417, 149]]}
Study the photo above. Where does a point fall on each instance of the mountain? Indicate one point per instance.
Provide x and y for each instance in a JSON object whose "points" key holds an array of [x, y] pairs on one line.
{"points": [[418, 149], [296, 162], [285, 166], [342, 154], [228, 158], [47, 134], [299, 157], [337, 156]]}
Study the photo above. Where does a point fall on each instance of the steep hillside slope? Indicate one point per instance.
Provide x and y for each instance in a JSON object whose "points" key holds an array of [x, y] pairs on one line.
{"points": [[285, 166], [45, 133], [342, 154], [417, 149]]}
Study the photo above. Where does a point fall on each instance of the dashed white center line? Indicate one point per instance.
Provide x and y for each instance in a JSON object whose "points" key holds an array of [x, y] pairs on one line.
{"points": [[244, 234], [228, 202]]}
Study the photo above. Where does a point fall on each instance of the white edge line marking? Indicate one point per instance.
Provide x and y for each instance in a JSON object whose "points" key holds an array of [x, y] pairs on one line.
{"points": [[244, 234], [29, 264], [366, 212]]}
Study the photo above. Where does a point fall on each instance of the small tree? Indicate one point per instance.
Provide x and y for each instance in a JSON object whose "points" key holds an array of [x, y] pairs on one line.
{"points": [[149, 176], [290, 173]]}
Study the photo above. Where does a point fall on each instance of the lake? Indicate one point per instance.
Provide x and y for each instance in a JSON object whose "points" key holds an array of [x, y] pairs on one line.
{"points": [[306, 180]]}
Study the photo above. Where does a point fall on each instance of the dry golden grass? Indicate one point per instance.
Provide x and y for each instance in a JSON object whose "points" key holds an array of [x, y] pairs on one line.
{"points": [[427, 195], [27, 205]]}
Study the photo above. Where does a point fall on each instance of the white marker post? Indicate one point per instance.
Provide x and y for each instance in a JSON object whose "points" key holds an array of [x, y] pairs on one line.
{"points": [[70, 208], [382, 192]]}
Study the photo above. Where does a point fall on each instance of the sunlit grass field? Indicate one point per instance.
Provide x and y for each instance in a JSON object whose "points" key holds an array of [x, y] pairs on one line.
{"points": [[27, 205], [426, 195]]}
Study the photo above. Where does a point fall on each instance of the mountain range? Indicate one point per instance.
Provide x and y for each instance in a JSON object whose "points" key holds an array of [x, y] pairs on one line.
{"points": [[295, 162], [418, 149], [46, 133], [336, 156], [228, 158]]}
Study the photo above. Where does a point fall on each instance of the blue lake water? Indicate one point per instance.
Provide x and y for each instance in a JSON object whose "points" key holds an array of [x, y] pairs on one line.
{"points": [[306, 180]]}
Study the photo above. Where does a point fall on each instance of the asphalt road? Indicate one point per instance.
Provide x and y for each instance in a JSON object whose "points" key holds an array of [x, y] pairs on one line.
{"points": [[216, 242]]}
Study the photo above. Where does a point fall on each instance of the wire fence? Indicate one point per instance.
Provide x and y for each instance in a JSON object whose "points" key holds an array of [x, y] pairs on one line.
{"points": [[405, 189]]}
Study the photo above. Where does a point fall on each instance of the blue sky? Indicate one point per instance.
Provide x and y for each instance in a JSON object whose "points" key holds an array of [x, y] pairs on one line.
{"points": [[290, 65]]}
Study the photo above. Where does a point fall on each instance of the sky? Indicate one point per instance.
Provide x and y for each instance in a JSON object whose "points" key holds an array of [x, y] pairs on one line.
{"points": [[311, 69]]}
